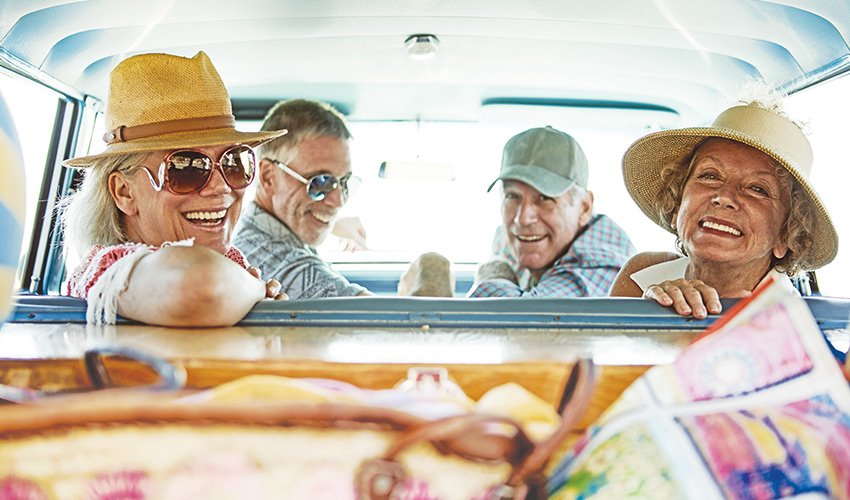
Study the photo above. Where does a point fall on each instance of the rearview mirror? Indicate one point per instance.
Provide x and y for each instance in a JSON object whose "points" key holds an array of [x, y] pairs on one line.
{"points": [[416, 170]]}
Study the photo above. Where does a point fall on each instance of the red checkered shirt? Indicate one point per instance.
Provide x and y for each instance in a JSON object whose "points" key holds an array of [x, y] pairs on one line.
{"points": [[587, 269]]}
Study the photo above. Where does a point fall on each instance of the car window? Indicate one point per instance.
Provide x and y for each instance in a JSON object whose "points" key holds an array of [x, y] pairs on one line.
{"points": [[33, 110], [824, 109]]}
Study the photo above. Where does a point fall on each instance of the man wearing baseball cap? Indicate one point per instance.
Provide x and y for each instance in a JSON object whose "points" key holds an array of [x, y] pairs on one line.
{"points": [[550, 243]]}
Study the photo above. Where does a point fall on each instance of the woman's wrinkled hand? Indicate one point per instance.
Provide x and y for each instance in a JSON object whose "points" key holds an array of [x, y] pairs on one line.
{"points": [[273, 286], [686, 296]]}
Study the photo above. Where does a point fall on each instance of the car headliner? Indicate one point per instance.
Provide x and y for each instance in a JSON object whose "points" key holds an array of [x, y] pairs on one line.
{"points": [[668, 62]]}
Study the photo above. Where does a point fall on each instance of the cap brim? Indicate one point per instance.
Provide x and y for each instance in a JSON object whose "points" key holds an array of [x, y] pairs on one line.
{"points": [[543, 180], [194, 139]]}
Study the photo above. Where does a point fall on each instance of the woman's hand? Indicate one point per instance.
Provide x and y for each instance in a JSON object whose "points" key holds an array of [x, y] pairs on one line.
{"points": [[686, 296], [273, 286]]}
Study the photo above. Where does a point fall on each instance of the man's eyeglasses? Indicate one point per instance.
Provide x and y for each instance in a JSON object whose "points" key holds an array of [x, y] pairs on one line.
{"points": [[321, 185], [188, 171]]}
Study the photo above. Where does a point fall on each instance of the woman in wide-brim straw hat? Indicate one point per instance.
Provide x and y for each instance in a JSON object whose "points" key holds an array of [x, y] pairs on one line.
{"points": [[737, 196], [155, 214]]}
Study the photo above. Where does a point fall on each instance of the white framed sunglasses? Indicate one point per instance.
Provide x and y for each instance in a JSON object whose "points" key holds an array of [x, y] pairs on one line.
{"points": [[321, 185]]}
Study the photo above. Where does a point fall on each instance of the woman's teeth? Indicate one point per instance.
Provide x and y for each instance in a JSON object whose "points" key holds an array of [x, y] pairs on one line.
{"points": [[206, 218], [720, 227]]}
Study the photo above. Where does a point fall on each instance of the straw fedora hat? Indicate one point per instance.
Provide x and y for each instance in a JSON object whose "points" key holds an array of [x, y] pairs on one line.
{"points": [[756, 127], [161, 101]]}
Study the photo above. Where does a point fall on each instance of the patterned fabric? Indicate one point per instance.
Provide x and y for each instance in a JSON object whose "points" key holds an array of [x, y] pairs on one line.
{"points": [[254, 463], [281, 254], [755, 409], [101, 258], [260, 452], [587, 269]]}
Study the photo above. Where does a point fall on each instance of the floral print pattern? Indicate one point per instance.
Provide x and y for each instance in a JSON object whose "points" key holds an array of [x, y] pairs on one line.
{"points": [[122, 485], [222, 476], [15, 488]]}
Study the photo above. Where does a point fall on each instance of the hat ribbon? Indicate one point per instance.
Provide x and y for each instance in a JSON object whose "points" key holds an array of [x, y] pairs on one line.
{"points": [[124, 133]]}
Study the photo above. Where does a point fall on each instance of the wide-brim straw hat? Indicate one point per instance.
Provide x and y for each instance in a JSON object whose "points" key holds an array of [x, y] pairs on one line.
{"points": [[759, 128], [165, 102]]}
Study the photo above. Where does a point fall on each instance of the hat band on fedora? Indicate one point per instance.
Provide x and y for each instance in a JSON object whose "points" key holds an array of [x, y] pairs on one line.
{"points": [[124, 133]]}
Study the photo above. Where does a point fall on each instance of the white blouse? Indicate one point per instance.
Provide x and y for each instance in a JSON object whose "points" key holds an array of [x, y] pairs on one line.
{"points": [[675, 269]]}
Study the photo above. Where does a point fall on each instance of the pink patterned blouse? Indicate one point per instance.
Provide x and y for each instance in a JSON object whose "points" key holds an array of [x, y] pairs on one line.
{"points": [[100, 258]]}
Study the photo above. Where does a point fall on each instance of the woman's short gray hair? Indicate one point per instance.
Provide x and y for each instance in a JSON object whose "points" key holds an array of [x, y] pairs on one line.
{"points": [[89, 216]]}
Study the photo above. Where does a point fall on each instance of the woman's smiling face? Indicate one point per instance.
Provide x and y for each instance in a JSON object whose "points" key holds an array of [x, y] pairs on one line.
{"points": [[733, 206], [154, 217]]}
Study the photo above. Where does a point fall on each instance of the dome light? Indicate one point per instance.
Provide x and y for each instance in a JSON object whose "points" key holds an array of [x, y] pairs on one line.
{"points": [[422, 47]]}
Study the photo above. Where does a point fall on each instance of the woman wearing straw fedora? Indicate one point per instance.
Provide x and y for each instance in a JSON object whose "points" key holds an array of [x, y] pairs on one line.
{"points": [[155, 214], [737, 196]]}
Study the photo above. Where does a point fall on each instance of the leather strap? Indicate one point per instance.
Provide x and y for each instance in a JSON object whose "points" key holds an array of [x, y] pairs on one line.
{"points": [[526, 480], [124, 133], [172, 376], [580, 388], [509, 442]]}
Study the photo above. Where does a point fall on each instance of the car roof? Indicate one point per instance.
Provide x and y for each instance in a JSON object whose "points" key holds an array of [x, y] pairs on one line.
{"points": [[667, 62]]}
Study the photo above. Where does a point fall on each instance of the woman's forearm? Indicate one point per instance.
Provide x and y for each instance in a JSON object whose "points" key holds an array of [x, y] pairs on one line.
{"points": [[189, 286]]}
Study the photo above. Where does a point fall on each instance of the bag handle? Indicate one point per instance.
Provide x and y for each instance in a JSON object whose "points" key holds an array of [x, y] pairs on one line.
{"points": [[378, 479], [578, 390], [171, 376]]}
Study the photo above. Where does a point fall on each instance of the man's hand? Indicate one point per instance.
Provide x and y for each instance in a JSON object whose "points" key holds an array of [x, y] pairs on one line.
{"points": [[352, 231], [430, 275], [495, 269]]}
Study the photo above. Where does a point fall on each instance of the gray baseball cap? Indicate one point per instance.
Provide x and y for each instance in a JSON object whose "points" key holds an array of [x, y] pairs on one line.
{"points": [[546, 159]]}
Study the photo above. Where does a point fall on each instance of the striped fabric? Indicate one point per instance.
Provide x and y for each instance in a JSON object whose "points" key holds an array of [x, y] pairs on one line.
{"points": [[12, 206], [586, 270]]}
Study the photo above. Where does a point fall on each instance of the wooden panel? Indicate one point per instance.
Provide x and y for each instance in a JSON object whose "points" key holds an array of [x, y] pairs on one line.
{"points": [[543, 378]]}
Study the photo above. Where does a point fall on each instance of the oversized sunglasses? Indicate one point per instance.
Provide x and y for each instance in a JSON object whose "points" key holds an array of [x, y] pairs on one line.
{"points": [[321, 185], [188, 171]]}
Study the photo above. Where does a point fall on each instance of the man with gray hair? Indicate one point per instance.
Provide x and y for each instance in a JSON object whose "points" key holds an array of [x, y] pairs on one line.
{"points": [[550, 243], [303, 180]]}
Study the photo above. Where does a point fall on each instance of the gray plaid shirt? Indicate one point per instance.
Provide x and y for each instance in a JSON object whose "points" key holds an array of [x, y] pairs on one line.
{"points": [[268, 244]]}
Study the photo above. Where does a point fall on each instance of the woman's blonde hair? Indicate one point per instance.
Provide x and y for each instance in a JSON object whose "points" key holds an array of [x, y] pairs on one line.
{"points": [[89, 215]]}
